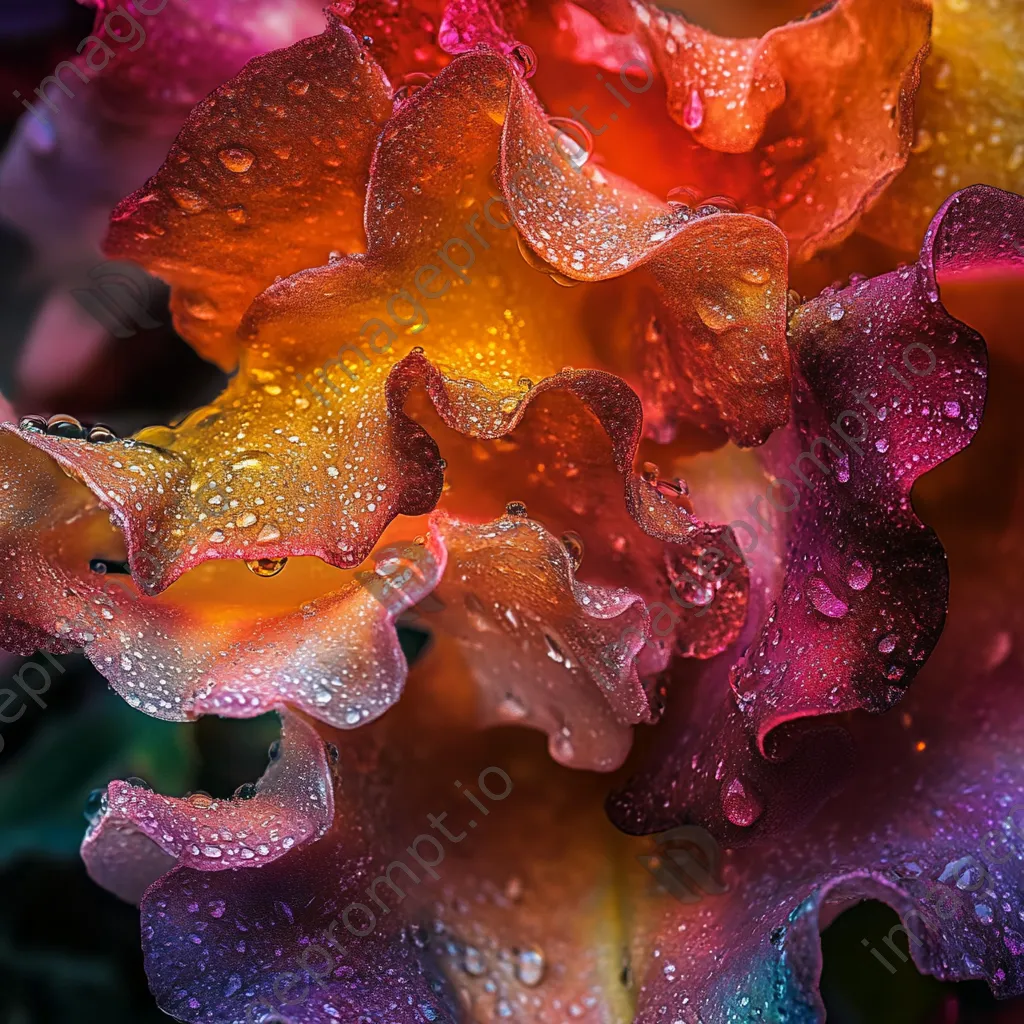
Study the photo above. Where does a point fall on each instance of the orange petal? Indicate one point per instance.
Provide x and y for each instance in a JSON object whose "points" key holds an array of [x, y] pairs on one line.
{"points": [[797, 130], [544, 649], [218, 641], [967, 114], [267, 177], [268, 472], [570, 459]]}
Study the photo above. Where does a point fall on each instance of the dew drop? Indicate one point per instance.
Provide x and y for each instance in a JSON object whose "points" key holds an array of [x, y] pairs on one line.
{"points": [[859, 574], [693, 111], [573, 544], [515, 508], [821, 596], [741, 803], [530, 967], [265, 567], [525, 60], [236, 159]]}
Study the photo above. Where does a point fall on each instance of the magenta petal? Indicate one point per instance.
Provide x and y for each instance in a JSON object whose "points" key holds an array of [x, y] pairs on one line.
{"points": [[852, 588], [141, 835]]}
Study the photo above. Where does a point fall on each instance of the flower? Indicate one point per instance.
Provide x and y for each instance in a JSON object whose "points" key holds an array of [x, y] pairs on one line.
{"points": [[462, 331]]}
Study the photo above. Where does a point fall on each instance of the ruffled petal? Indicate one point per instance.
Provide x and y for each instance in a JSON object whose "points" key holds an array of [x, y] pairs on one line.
{"points": [[267, 472], [267, 177], [782, 122], [139, 835], [543, 648], [967, 117], [851, 593], [220, 641], [569, 459], [175, 53]]}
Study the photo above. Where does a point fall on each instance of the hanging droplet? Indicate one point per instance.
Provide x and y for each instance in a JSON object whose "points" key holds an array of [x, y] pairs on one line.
{"points": [[65, 426], [410, 85], [236, 159], [741, 803], [95, 805], [265, 567], [104, 566], [515, 508], [525, 60], [573, 543], [693, 111], [100, 433], [649, 471]]}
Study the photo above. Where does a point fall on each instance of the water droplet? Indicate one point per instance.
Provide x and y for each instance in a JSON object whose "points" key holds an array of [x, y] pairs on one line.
{"points": [[200, 798], [268, 534], [755, 275], [64, 426], [741, 803], [530, 967], [237, 159], [515, 508], [859, 574], [821, 596], [410, 85], [888, 643], [187, 200], [693, 111], [95, 805], [473, 961], [246, 791], [525, 60], [649, 471], [265, 567], [274, 750], [34, 424], [836, 311], [99, 433], [239, 214], [951, 409], [573, 544], [298, 86]]}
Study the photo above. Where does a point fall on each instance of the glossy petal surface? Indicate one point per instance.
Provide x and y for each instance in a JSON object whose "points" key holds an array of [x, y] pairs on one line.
{"points": [[967, 116], [140, 835], [244, 197], [853, 603]]}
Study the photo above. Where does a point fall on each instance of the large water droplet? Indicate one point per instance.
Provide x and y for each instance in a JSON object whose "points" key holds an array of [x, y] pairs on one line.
{"points": [[573, 543], [741, 803], [821, 596], [236, 158], [693, 111], [530, 967], [265, 567]]}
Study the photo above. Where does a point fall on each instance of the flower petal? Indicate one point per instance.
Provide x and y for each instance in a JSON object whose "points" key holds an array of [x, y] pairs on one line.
{"points": [[267, 177], [798, 131], [855, 601], [968, 124], [569, 458], [219, 640], [340, 470], [139, 835], [544, 649]]}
